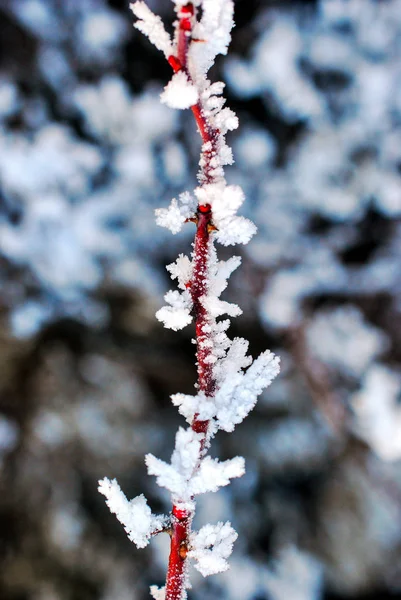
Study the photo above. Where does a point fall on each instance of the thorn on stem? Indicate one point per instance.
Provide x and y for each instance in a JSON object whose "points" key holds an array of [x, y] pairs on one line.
{"points": [[183, 551], [174, 63]]}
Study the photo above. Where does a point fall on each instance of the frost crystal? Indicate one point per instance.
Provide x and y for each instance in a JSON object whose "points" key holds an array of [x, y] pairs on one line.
{"points": [[214, 28], [211, 546], [152, 26], [181, 270], [238, 393], [177, 213], [135, 514], [180, 92], [178, 314], [225, 201], [187, 475]]}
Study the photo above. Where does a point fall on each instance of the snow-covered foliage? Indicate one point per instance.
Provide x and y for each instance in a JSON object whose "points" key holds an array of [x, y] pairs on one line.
{"points": [[211, 546], [229, 381], [136, 516], [187, 475]]}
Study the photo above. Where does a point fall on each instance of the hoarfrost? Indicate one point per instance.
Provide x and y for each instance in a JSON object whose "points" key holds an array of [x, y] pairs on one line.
{"points": [[181, 270], [178, 314], [215, 29], [177, 213], [152, 26], [213, 474], [211, 546], [237, 393], [135, 515], [179, 92], [187, 476], [225, 201]]}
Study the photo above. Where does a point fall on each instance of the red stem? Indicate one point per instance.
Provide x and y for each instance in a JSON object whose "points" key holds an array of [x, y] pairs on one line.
{"points": [[181, 519]]}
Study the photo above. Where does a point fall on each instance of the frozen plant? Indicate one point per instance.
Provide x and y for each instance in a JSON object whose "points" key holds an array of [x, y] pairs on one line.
{"points": [[229, 380]]}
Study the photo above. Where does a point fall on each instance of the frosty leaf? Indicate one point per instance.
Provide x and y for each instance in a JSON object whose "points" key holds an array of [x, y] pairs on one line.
{"points": [[186, 452], [216, 307], [135, 515], [166, 476], [234, 361], [179, 92], [225, 120], [211, 546], [177, 213], [170, 217], [184, 461], [158, 593], [225, 201], [238, 393], [200, 404], [214, 29], [181, 269], [219, 272], [152, 26], [177, 315], [237, 230], [213, 474]]}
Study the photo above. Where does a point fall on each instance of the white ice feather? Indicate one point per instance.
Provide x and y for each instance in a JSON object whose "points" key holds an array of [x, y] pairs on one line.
{"points": [[135, 514], [179, 92], [181, 270], [152, 26], [214, 29], [211, 546], [238, 392], [177, 213], [213, 474], [178, 314]]}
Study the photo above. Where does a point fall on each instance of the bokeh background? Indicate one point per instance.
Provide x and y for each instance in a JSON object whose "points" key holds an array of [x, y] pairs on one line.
{"points": [[87, 153]]}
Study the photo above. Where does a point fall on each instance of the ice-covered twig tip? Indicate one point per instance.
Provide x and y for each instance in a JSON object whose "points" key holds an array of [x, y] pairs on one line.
{"points": [[229, 380]]}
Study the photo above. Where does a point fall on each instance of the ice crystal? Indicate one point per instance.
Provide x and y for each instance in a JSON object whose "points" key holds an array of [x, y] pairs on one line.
{"points": [[211, 546], [180, 92], [135, 515]]}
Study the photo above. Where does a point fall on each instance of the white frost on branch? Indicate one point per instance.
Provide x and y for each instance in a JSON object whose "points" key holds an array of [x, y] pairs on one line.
{"points": [[179, 92], [238, 393], [178, 314], [213, 474], [177, 213], [152, 26], [225, 200], [187, 476], [214, 30], [211, 546], [237, 390], [181, 270], [138, 520]]}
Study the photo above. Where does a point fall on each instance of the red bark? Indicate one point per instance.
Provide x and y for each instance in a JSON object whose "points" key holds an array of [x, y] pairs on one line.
{"points": [[181, 519]]}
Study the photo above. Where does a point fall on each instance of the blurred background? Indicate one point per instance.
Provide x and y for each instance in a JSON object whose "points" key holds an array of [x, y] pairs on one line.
{"points": [[87, 152]]}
